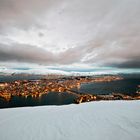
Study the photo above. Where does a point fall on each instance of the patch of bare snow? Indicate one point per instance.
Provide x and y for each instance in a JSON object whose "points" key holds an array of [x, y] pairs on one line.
{"points": [[104, 120]]}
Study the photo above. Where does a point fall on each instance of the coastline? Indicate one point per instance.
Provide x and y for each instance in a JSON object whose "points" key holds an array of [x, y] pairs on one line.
{"points": [[65, 90]]}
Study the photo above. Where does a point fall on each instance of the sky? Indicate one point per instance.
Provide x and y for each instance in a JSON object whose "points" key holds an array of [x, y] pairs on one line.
{"points": [[69, 35]]}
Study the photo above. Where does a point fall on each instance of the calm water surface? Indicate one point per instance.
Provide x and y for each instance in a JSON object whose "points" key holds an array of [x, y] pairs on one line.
{"points": [[125, 86]]}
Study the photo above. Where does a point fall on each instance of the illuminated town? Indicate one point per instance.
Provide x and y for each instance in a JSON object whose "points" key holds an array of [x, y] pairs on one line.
{"points": [[36, 88]]}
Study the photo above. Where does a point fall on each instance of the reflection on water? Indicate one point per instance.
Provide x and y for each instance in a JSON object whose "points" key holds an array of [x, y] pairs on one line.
{"points": [[52, 98]]}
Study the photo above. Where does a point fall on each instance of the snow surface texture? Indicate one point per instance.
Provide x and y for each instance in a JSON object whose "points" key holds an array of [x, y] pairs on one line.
{"points": [[104, 120]]}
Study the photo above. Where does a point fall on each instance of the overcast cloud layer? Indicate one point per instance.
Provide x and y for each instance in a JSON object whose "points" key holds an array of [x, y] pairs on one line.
{"points": [[90, 33]]}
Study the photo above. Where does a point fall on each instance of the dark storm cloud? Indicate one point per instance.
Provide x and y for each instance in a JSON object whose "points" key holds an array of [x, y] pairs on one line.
{"points": [[121, 54], [34, 54], [128, 64], [25, 53]]}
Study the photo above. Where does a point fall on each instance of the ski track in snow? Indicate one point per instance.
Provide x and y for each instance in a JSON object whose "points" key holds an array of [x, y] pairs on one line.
{"points": [[104, 120]]}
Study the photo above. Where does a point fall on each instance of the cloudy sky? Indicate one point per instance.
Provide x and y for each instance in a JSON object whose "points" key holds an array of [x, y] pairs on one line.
{"points": [[70, 35]]}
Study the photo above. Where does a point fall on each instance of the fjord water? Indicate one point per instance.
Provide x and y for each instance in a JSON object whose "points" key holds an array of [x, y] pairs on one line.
{"points": [[126, 86], [51, 98], [11, 78]]}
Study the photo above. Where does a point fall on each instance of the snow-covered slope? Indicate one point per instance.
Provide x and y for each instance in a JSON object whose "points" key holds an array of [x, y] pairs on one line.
{"points": [[105, 120]]}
